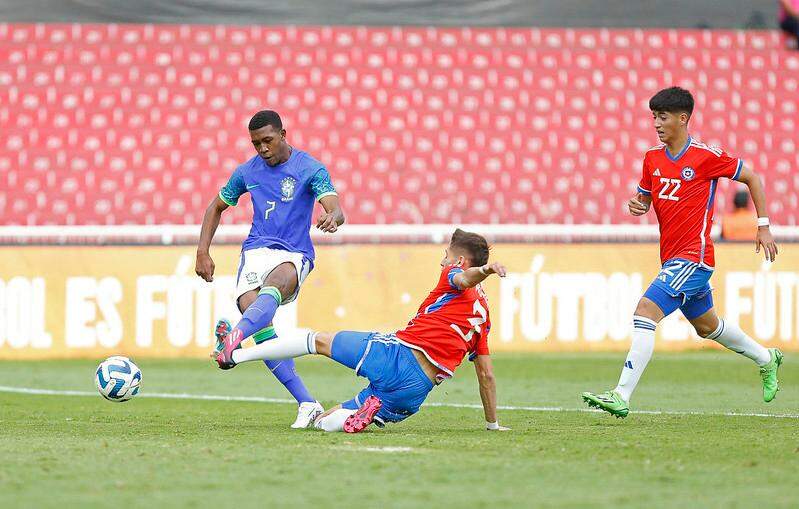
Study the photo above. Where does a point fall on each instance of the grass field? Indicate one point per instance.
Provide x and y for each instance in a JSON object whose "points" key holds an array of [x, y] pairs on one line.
{"points": [[82, 451]]}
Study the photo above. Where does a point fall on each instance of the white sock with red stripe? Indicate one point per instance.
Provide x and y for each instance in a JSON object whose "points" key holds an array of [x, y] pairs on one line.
{"points": [[643, 345], [731, 336]]}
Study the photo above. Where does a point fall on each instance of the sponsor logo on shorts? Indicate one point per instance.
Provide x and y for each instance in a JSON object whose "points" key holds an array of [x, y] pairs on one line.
{"points": [[251, 277]]}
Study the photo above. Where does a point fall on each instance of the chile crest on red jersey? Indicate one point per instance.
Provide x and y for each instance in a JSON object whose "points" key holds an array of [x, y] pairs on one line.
{"points": [[683, 190], [450, 323]]}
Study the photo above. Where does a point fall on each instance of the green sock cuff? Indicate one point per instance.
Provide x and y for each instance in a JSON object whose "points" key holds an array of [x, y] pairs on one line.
{"points": [[274, 292], [264, 335]]}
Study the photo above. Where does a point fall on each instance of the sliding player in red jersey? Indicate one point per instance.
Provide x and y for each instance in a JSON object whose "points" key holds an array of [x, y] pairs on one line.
{"points": [[403, 367], [679, 181]]}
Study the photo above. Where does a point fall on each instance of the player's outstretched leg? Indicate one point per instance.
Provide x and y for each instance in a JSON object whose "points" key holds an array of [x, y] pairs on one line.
{"points": [[733, 338]]}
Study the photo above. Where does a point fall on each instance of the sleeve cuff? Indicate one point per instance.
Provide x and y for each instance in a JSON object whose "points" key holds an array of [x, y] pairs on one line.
{"points": [[222, 197], [644, 191], [738, 169], [329, 193]]}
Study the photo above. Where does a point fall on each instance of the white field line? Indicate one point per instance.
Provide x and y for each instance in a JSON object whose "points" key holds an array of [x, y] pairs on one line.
{"points": [[258, 399], [379, 449]]}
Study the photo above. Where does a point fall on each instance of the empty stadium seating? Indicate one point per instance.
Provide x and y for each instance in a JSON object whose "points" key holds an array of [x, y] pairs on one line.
{"points": [[141, 124]]}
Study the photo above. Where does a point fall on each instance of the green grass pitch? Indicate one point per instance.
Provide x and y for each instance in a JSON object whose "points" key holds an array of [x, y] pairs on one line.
{"points": [[82, 451]]}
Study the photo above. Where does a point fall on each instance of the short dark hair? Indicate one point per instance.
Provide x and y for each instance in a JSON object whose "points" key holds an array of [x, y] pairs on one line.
{"points": [[475, 246], [673, 100], [264, 118]]}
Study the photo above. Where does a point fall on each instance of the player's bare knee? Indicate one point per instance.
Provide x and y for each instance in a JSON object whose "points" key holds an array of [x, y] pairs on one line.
{"points": [[705, 328], [324, 343]]}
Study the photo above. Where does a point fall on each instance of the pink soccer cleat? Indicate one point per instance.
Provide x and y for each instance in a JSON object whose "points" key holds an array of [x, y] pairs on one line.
{"points": [[231, 342], [364, 416]]}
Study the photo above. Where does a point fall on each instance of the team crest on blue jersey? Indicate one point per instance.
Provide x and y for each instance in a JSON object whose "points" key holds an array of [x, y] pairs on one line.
{"points": [[688, 173], [287, 186]]}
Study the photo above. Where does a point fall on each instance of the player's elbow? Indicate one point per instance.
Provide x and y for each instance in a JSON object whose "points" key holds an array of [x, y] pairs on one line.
{"points": [[486, 378], [749, 177]]}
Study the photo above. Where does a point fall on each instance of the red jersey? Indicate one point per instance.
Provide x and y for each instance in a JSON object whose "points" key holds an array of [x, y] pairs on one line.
{"points": [[683, 187], [450, 323]]}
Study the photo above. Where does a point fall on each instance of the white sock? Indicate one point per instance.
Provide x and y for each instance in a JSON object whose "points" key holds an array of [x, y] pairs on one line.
{"points": [[640, 352], [732, 337], [334, 421], [282, 347]]}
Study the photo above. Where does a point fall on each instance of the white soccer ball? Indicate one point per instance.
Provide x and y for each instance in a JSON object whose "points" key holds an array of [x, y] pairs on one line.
{"points": [[118, 378]]}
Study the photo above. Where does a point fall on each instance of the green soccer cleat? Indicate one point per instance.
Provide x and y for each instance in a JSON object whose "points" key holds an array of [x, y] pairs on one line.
{"points": [[609, 401], [769, 375]]}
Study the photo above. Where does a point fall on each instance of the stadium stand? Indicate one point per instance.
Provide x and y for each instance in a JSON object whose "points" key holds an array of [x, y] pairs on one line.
{"points": [[141, 124]]}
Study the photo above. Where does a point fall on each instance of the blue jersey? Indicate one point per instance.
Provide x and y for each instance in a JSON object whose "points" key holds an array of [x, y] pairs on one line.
{"points": [[283, 198]]}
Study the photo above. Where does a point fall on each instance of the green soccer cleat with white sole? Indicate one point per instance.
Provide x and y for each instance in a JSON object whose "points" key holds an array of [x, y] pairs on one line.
{"points": [[769, 375], [610, 401]]}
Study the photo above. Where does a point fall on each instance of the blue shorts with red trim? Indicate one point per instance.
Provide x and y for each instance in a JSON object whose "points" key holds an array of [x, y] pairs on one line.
{"points": [[394, 374], [682, 284]]}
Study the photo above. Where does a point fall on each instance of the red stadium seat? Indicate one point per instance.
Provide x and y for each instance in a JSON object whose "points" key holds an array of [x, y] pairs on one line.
{"points": [[140, 124]]}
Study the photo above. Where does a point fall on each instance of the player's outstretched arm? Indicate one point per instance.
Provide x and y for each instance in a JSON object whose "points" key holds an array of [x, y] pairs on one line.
{"points": [[488, 391], [639, 204], [764, 237], [333, 216], [204, 265], [475, 275]]}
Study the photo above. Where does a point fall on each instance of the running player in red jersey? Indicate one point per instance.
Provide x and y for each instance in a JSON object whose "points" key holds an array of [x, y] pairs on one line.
{"points": [[679, 180], [402, 368]]}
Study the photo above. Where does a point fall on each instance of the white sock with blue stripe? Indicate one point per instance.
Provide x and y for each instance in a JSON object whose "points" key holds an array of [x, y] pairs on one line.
{"points": [[731, 336], [641, 349], [283, 347]]}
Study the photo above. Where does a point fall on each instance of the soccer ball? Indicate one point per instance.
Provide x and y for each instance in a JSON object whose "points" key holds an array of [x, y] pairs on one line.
{"points": [[118, 378]]}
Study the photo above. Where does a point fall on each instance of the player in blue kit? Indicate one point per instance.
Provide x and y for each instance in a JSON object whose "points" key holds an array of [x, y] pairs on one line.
{"points": [[284, 184]]}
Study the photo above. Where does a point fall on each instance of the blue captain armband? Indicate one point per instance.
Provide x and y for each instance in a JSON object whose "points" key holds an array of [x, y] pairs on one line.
{"points": [[451, 277], [644, 191], [321, 185]]}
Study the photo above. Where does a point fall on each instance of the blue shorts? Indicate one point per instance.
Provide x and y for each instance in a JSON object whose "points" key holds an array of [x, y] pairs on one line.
{"points": [[682, 284], [394, 374]]}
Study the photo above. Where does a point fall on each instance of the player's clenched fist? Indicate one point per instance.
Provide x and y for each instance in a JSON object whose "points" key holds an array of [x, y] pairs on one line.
{"points": [[637, 208], [204, 266]]}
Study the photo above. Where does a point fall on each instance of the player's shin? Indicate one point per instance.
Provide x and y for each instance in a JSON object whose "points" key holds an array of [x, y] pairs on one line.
{"points": [[261, 312], [732, 337], [643, 345], [283, 347]]}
